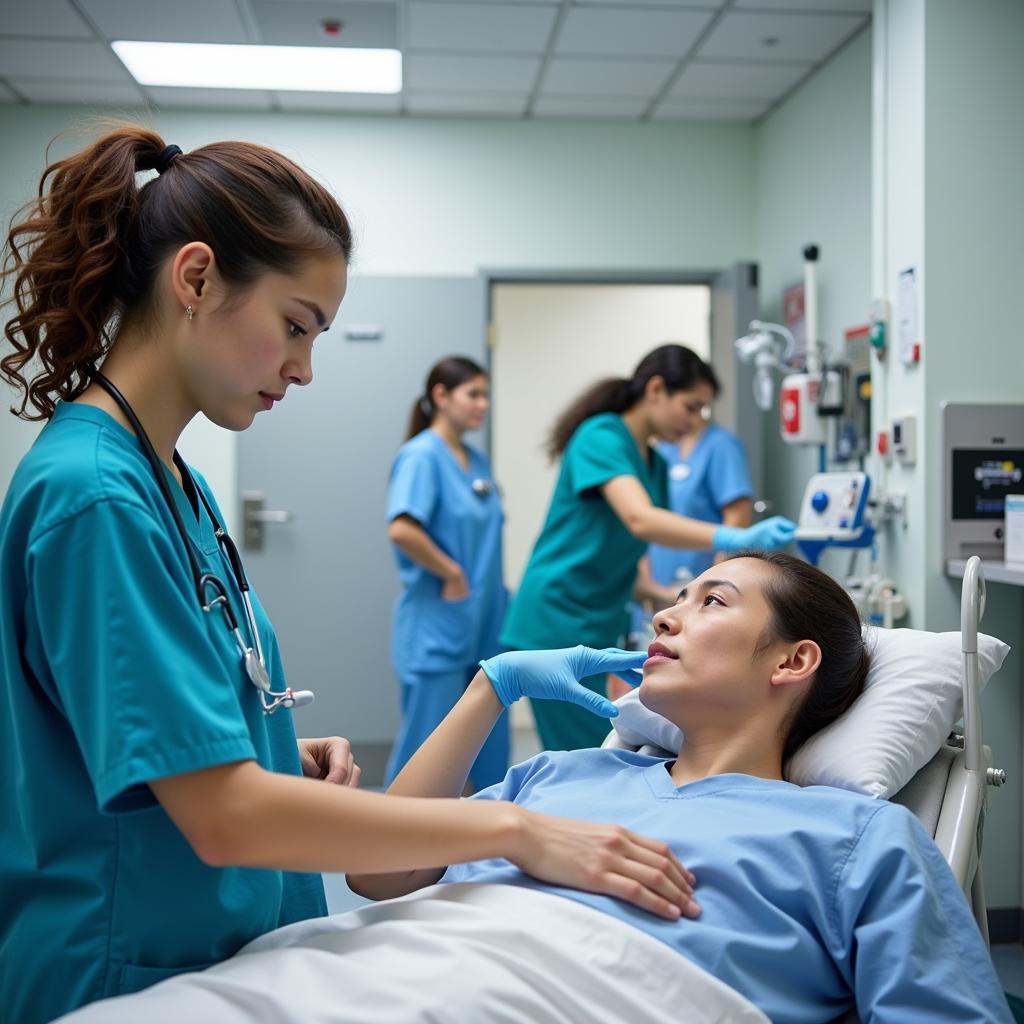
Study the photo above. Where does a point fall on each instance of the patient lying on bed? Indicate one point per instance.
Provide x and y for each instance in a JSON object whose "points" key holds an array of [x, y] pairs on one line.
{"points": [[812, 900]]}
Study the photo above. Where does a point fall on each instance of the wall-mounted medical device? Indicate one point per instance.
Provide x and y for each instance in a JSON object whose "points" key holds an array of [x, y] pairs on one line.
{"points": [[811, 390], [832, 514], [983, 462]]}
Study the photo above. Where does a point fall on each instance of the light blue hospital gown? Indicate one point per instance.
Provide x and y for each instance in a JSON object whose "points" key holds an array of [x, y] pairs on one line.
{"points": [[811, 898], [112, 676], [436, 644]]}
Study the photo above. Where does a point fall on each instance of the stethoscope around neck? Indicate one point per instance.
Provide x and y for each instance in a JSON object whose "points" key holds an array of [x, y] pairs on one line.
{"points": [[210, 588]]}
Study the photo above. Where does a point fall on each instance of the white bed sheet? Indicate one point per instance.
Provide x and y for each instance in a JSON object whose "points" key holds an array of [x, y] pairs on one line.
{"points": [[489, 954]]}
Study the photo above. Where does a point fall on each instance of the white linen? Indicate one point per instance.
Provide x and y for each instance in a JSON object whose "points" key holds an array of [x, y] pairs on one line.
{"points": [[450, 954], [912, 698]]}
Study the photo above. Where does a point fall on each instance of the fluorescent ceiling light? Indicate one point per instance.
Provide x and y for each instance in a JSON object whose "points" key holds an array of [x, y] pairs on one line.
{"points": [[225, 66]]}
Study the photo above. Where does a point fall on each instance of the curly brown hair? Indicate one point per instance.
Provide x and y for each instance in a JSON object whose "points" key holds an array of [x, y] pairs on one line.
{"points": [[84, 254]]}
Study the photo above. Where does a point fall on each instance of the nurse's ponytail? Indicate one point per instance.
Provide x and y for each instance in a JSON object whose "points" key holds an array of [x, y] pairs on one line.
{"points": [[450, 372], [83, 256], [678, 366]]}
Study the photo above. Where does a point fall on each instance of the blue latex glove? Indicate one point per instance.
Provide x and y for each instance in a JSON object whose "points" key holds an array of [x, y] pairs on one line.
{"points": [[769, 534], [555, 675]]}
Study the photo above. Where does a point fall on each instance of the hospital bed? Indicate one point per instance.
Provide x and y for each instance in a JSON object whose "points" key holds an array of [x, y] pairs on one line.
{"points": [[949, 795], [289, 975]]}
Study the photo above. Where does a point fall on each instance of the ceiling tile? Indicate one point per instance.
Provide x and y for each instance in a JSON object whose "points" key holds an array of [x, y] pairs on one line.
{"points": [[595, 106], [647, 32], [425, 72], [222, 99], [58, 58], [184, 21], [841, 6], [746, 35], [42, 18], [64, 90], [339, 102], [573, 76], [737, 81], [709, 110], [676, 5], [498, 28], [300, 23], [448, 103]]}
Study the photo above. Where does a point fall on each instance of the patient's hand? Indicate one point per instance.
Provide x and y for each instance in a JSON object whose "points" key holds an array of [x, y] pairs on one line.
{"points": [[607, 859], [329, 758]]}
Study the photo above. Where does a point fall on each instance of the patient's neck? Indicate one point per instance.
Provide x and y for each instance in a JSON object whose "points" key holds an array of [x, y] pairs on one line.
{"points": [[751, 749]]}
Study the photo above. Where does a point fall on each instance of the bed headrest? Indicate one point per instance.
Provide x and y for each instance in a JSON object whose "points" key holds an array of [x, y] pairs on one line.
{"points": [[911, 701]]}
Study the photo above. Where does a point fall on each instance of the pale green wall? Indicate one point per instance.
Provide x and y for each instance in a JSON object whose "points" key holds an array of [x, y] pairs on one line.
{"points": [[440, 196], [943, 126], [974, 224], [814, 185]]}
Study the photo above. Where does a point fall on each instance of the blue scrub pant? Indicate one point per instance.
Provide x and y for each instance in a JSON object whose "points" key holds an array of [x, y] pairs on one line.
{"points": [[425, 698]]}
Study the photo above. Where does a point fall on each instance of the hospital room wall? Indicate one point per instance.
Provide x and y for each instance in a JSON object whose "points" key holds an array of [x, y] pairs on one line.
{"points": [[814, 185], [818, 180], [449, 196], [946, 202], [974, 216]]}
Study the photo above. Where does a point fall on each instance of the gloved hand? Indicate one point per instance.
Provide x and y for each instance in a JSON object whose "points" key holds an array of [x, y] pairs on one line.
{"points": [[555, 675], [769, 534]]}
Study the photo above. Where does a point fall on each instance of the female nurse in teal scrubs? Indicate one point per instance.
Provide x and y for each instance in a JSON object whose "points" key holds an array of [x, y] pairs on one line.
{"points": [[154, 817], [444, 521], [610, 502]]}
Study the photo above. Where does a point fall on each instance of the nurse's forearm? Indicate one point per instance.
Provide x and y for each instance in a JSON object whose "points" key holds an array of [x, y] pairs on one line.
{"points": [[659, 526], [415, 542], [242, 815]]}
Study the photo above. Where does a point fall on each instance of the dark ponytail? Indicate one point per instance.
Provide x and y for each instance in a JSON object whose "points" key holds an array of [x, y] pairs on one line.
{"points": [[807, 604], [678, 366], [450, 372], [84, 254]]}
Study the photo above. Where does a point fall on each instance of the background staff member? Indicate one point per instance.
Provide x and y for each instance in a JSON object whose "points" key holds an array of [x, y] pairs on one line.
{"points": [[610, 502], [153, 810], [708, 480], [444, 520]]}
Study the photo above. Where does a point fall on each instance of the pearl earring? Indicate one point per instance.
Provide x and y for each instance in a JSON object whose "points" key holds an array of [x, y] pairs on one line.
{"points": [[188, 312]]}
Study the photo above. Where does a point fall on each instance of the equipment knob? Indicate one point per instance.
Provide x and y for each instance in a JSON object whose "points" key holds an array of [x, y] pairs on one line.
{"points": [[820, 501]]}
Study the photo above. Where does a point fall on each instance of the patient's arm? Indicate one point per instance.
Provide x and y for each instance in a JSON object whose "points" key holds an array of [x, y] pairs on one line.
{"points": [[439, 768], [907, 937]]}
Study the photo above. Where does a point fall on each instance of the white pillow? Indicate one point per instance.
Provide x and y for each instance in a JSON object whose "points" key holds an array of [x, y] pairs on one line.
{"points": [[911, 700]]}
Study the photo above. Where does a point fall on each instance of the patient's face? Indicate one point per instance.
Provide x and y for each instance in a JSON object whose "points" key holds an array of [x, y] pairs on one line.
{"points": [[705, 660]]}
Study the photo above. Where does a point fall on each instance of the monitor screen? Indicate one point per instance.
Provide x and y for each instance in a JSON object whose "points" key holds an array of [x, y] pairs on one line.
{"points": [[982, 477]]}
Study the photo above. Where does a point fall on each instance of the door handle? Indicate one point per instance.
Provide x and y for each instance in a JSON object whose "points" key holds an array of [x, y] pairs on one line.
{"points": [[255, 517]]}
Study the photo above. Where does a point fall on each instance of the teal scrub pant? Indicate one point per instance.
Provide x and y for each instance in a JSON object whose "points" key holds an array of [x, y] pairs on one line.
{"points": [[565, 726], [425, 699]]}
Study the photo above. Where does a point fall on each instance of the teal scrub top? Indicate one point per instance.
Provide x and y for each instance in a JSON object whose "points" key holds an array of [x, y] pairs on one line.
{"points": [[460, 509], [112, 676], [580, 577]]}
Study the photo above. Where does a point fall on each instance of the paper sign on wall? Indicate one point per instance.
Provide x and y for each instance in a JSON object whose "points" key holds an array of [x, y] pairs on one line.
{"points": [[908, 334]]}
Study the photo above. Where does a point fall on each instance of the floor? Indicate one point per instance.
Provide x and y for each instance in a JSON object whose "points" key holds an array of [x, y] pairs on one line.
{"points": [[1009, 961]]}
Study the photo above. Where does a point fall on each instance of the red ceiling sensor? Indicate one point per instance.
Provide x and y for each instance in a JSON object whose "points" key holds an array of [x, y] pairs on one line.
{"points": [[331, 27]]}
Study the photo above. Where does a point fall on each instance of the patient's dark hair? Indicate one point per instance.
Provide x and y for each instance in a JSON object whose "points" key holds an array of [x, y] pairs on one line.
{"points": [[806, 604]]}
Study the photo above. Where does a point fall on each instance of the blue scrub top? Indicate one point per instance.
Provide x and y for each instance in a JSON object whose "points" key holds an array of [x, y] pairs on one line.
{"points": [[811, 899], [113, 676], [428, 483], [712, 476]]}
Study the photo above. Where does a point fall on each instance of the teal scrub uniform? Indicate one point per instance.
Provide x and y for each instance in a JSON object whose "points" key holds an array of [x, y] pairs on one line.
{"points": [[436, 644], [712, 476], [579, 580], [113, 676]]}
